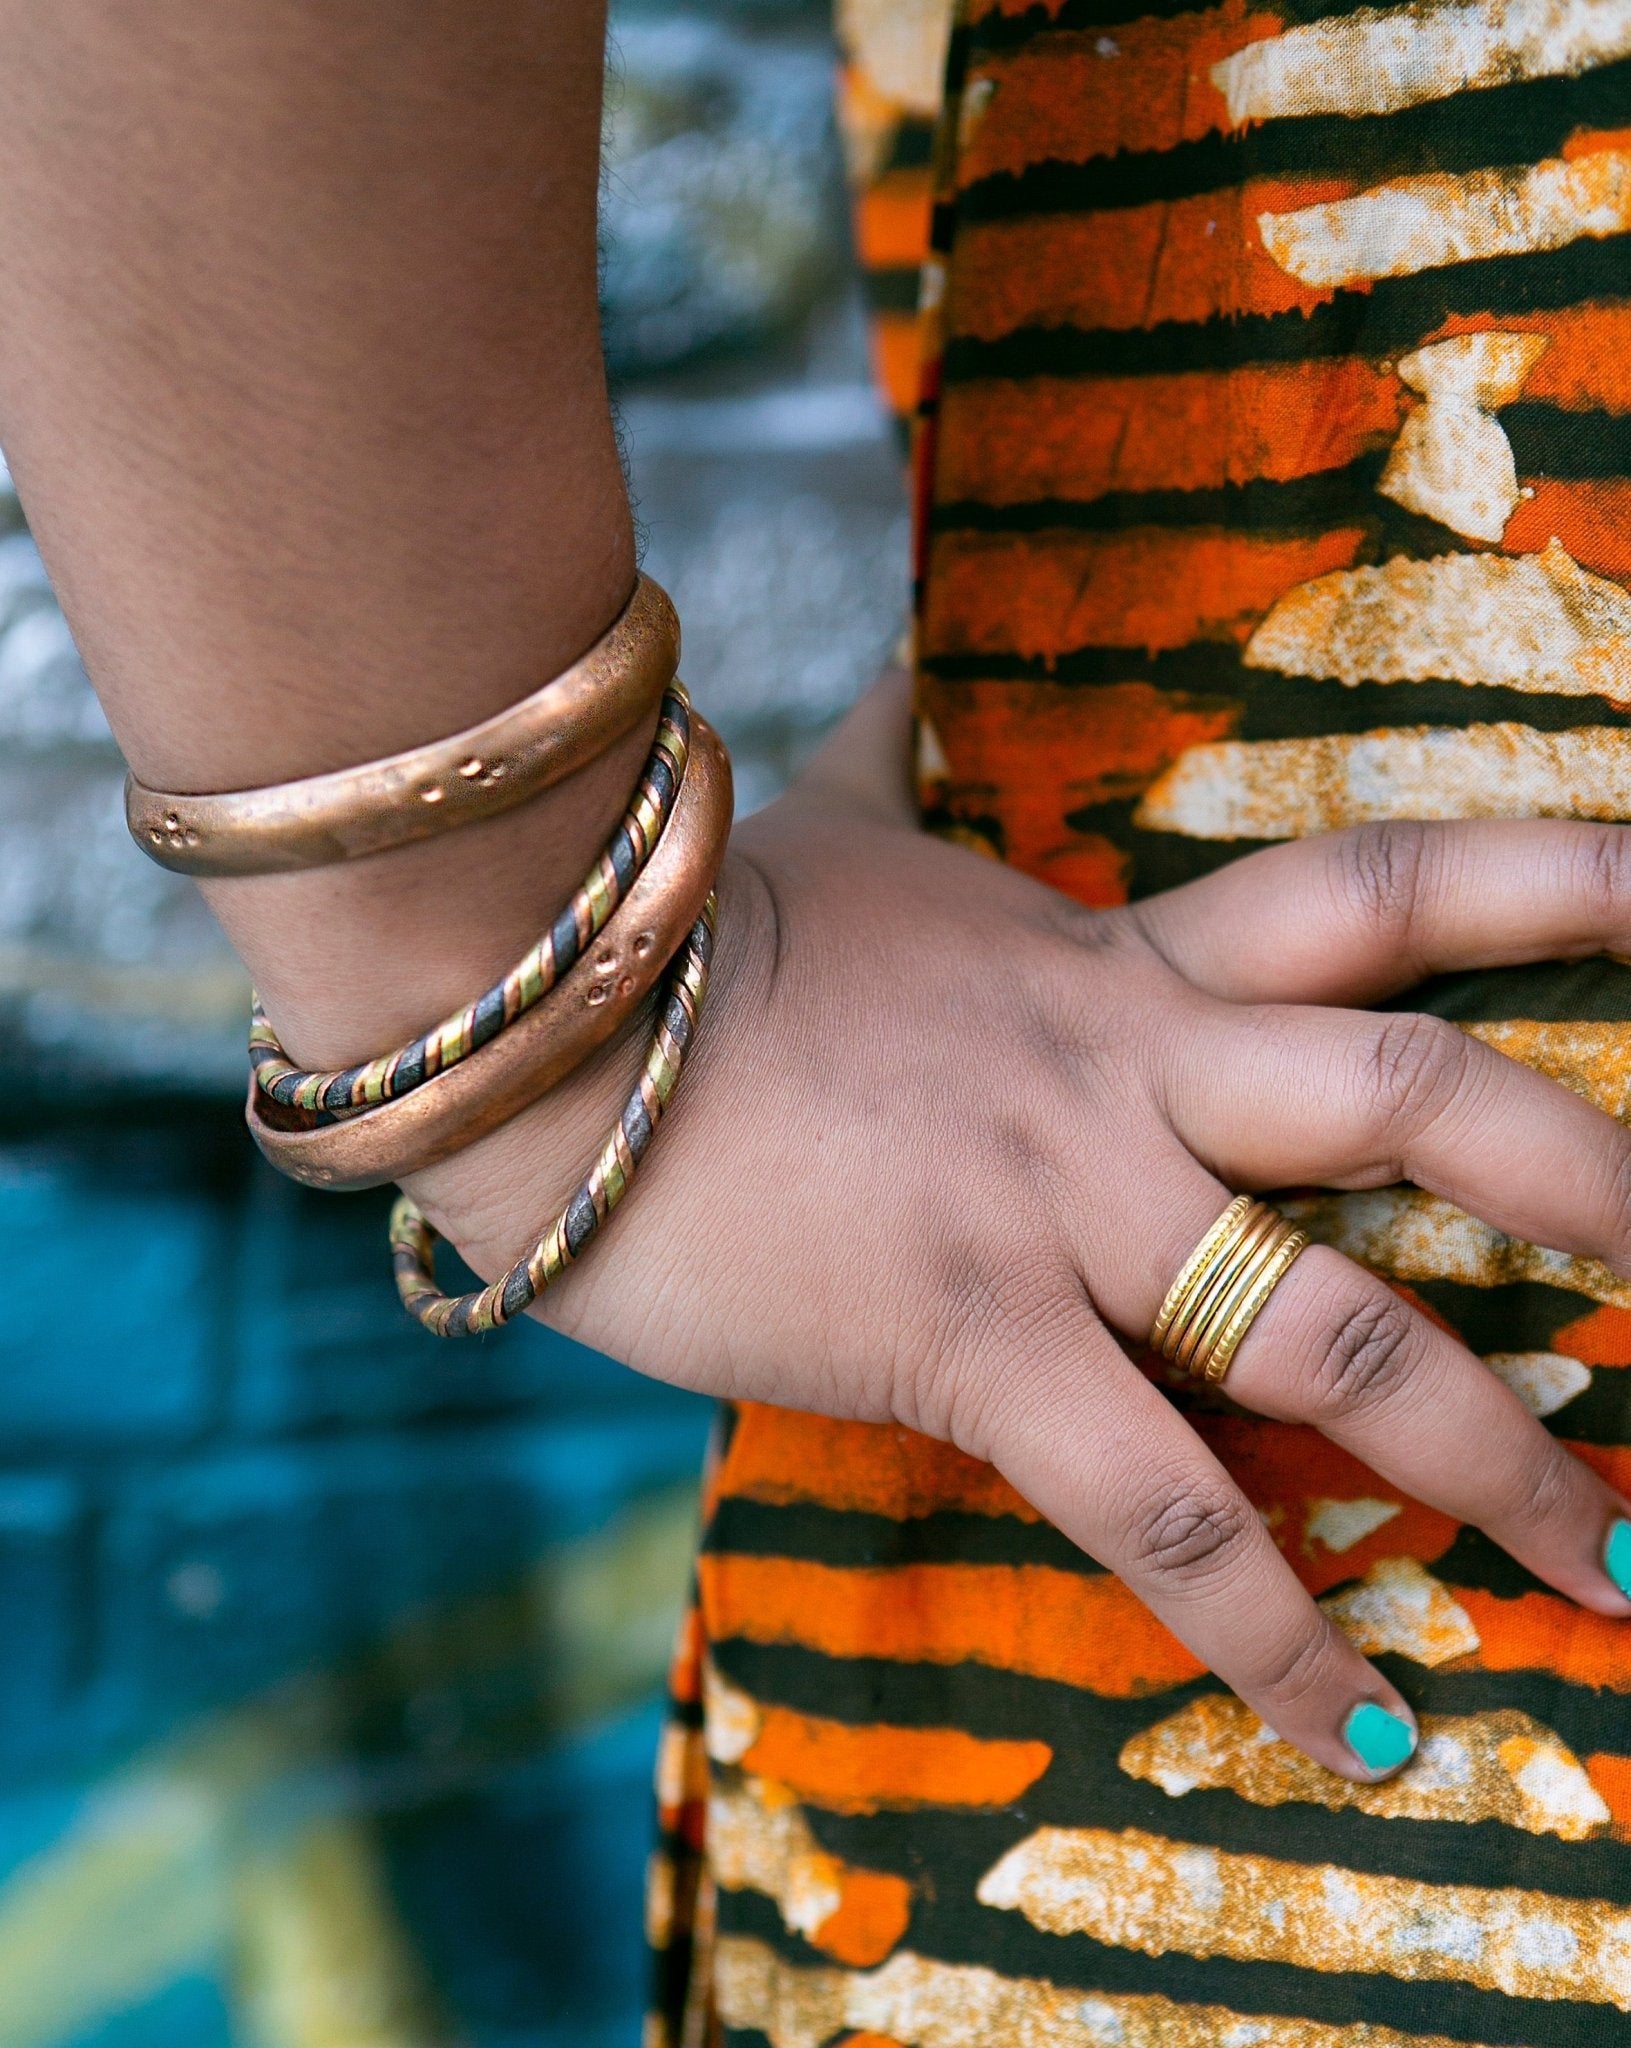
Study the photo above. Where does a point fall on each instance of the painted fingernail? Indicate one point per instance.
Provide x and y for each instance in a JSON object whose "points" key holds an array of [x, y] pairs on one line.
{"points": [[1380, 1740], [1617, 1556]]}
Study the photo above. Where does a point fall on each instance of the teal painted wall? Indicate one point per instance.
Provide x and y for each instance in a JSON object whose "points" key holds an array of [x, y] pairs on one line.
{"points": [[328, 1653]]}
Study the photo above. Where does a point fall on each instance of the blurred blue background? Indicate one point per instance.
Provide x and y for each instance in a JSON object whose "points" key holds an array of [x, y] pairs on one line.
{"points": [[329, 1655]]}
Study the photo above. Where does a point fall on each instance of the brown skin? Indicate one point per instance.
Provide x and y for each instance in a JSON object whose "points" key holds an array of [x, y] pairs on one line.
{"points": [[300, 376], [301, 384]]}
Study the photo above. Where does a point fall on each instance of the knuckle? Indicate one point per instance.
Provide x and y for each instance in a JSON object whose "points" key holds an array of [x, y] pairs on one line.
{"points": [[1191, 1531], [986, 1313], [1363, 1357], [1118, 930], [1298, 1671], [1543, 1494], [1603, 1191], [1605, 874], [1412, 1065], [1059, 1037], [1618, 1202], [1381, 870], [1075, 1060]]}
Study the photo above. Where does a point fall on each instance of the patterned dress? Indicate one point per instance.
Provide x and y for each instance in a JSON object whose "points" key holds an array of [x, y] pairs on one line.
{"points": [[1271, 401]]}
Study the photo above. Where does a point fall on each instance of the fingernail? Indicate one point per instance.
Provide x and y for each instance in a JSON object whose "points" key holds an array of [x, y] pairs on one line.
{"points": [[1380, 1740], [1617, 1556]]}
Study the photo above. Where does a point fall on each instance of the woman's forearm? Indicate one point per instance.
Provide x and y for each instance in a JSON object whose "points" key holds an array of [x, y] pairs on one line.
{"points": [[301, 381]]}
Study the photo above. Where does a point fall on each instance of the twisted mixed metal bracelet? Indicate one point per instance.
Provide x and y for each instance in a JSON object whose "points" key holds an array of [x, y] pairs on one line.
{"points": [[347, 1091], [413, 1241], [589, 1005]]}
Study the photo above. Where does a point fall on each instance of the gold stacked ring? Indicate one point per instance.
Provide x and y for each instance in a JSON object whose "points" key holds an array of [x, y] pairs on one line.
{"points": [[1223, 1286]]}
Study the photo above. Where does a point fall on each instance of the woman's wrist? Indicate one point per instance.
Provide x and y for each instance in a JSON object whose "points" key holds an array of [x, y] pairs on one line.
{"points": [[490, 1198]]}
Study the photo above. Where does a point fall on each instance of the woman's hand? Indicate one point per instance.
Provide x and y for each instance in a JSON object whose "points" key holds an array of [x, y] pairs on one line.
{"points": [[947, 1139]]}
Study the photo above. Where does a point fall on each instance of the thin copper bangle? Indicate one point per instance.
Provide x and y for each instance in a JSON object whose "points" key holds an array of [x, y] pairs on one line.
{"points": [[587, 1006], [472, 775]]}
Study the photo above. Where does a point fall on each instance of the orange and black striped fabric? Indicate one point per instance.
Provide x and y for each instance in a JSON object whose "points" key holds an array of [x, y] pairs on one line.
{"points": [[1273, 453]]}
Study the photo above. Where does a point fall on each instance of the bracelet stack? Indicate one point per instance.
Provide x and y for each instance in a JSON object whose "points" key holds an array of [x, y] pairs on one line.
{"points": [[644, 915], [351, 1089]]}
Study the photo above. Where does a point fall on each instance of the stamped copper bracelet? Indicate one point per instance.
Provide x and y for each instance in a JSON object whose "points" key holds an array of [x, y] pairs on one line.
{"points": [[413, 1240], [490, 768], [347, 1090], [588, 1005]]}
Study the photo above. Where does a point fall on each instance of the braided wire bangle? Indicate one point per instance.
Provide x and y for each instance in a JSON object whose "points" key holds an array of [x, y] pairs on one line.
{"points": [[345, 1091], [589, 1005], [413, 1239]]}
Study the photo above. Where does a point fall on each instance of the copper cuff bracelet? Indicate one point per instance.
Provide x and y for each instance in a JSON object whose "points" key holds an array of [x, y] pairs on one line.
{"points": [[473, 775], [344, 1091], [588, 1005]]}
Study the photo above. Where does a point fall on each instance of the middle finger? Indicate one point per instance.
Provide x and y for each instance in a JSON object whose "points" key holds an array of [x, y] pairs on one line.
{"points": [[1274, 1097]]}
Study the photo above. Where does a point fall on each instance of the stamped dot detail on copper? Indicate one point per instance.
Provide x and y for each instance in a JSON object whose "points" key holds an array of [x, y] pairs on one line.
{"points": [[173, 833], [433, 795], [643, 945], [597, 993]]}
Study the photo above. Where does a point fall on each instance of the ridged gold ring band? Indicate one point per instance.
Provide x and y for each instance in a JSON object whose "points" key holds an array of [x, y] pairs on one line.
{"points": [[1223, 1286]]}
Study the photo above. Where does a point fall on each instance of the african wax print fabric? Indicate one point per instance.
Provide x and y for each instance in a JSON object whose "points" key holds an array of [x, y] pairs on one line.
{"points": [[1272, 435]]}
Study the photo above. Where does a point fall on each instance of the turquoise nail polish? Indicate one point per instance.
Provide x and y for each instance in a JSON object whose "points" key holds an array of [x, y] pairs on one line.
{"points": [[1617, 1556], [1380, 1740]]}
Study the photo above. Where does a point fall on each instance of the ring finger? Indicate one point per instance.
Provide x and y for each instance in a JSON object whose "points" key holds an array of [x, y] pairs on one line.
{"points": [[1096, 1448], [1336, 1348]]}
